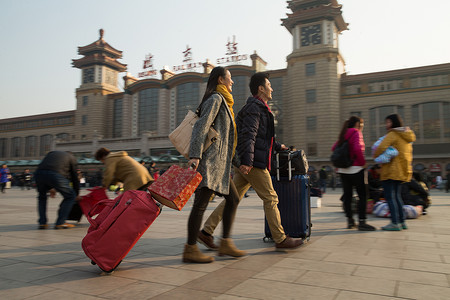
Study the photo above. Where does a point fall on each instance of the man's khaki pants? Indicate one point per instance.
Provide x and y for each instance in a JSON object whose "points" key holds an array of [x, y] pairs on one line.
{"points": [[261, 182]]}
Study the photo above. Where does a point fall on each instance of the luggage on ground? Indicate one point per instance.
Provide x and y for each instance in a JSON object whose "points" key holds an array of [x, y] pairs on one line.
{"points": [[86, 203], [294, 203], [118, 226], [289, 163]]}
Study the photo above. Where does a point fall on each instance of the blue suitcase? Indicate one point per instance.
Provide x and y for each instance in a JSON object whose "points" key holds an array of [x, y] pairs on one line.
{"points": [[294, 203]]}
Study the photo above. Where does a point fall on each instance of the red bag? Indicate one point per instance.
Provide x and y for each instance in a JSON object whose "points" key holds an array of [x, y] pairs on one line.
{"points": [[175, 186], [119, 225], [88, 201]]}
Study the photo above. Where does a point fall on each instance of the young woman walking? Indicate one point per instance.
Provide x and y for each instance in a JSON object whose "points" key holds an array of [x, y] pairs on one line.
{"points": [[214, 164]]}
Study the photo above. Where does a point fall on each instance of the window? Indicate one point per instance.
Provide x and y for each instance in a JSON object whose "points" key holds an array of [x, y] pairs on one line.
{"points": [[84, 120], [311, 149], [241, 92], [117, 118], [310, 69], [276, 104], [31, 146], [45, 144], [85, 100], [3, 144], [88, 75], [310, 96], [311, 123], [188, 98], [354, 89], [446, 117], [15, 147], [47, 122], [148, 110], [377, 116], [63, 137], [431, 120]]}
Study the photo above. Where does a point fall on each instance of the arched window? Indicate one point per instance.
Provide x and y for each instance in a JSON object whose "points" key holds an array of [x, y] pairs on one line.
{"points": [[45, 144], [377, 116], [241, 92], [3, 143], [117, 118], [188, 98], [431, 121], [15, 146], [31, 145], [148, 110]]}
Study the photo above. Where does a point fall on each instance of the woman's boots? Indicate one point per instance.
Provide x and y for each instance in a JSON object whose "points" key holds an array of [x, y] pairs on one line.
{"points": [[192, 254], [227, 247]]}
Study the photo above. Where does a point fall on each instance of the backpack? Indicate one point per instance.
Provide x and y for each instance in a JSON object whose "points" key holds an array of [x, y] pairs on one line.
{"points": [[341, 156]]}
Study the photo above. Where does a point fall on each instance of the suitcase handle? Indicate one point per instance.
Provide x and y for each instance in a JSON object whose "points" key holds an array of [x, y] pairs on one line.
{"points": [[98, 207]]}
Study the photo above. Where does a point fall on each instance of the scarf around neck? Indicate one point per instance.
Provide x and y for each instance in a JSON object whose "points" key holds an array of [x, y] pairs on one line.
{"points": [[222, 89]]}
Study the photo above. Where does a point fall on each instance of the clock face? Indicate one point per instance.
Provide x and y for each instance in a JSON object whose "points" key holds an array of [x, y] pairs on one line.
{"points": [[88, 75], [311, 35]]}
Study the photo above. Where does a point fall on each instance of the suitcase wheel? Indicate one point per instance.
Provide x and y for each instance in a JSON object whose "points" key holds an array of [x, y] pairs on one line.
{"points": [[267, 239], [93, 263], [112, 270]]}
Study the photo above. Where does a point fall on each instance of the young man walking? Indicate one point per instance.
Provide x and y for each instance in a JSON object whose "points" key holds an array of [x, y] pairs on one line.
{"points": [[256, 142]]}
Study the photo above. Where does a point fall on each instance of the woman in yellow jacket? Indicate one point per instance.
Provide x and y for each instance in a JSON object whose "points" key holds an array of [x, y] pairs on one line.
{"points": [[398, 170]]}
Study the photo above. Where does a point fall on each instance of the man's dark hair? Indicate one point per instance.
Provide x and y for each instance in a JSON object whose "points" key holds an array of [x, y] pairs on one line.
{"points": [[257, 80], [101, 153]]}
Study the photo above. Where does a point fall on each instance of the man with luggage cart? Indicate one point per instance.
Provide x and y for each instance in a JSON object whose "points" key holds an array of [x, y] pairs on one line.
{"points": [[256, 143]]}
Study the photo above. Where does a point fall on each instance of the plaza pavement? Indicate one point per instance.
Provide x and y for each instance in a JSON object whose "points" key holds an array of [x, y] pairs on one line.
{"points": [[336, 263]]}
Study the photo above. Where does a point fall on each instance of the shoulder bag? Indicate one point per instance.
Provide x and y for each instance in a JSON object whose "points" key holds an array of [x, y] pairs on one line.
{"points": [[181, 136]]}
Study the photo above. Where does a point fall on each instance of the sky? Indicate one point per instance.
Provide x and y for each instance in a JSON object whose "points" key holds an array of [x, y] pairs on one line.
{"points": [[39, 39]]}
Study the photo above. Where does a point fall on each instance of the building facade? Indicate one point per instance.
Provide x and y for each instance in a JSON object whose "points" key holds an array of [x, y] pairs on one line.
{"points": [[312, 97]]}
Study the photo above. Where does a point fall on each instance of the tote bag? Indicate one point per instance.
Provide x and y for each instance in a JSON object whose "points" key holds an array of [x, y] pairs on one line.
{"points": [[181, 136]]}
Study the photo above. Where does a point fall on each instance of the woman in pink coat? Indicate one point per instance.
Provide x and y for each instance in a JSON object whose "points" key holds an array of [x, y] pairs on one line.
{"points": [[354, 176]]}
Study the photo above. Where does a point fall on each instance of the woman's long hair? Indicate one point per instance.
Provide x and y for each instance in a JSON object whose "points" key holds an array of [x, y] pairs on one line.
{"points": [[213, 81], [396, 120], [350, 123]]}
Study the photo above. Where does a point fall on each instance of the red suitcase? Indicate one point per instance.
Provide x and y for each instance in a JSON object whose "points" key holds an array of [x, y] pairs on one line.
{"points": [[118, 226], [87, 202]]}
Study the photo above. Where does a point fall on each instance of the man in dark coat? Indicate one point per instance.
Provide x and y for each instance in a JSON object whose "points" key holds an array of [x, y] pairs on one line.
{"points": [[256, 143], [57, 171]]}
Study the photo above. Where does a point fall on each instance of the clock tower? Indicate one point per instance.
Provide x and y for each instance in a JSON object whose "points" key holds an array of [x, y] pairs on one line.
{"points": [[99, 74], [314, 68]]}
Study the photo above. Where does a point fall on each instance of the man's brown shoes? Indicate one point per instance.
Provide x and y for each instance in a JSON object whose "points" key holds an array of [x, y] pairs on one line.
{"points": [[289, 243]]}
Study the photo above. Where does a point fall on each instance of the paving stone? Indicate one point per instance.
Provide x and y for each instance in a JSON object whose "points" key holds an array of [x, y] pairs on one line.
{"points": [[357, 283], [305, 264], [220, 281], [402, 275], [421, 291], [346, 295], [435, 267], [267, 289]]}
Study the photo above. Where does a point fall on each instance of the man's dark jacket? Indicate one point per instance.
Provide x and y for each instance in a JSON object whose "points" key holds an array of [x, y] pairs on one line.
{"points": [[63, 163], [256, 128]]}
